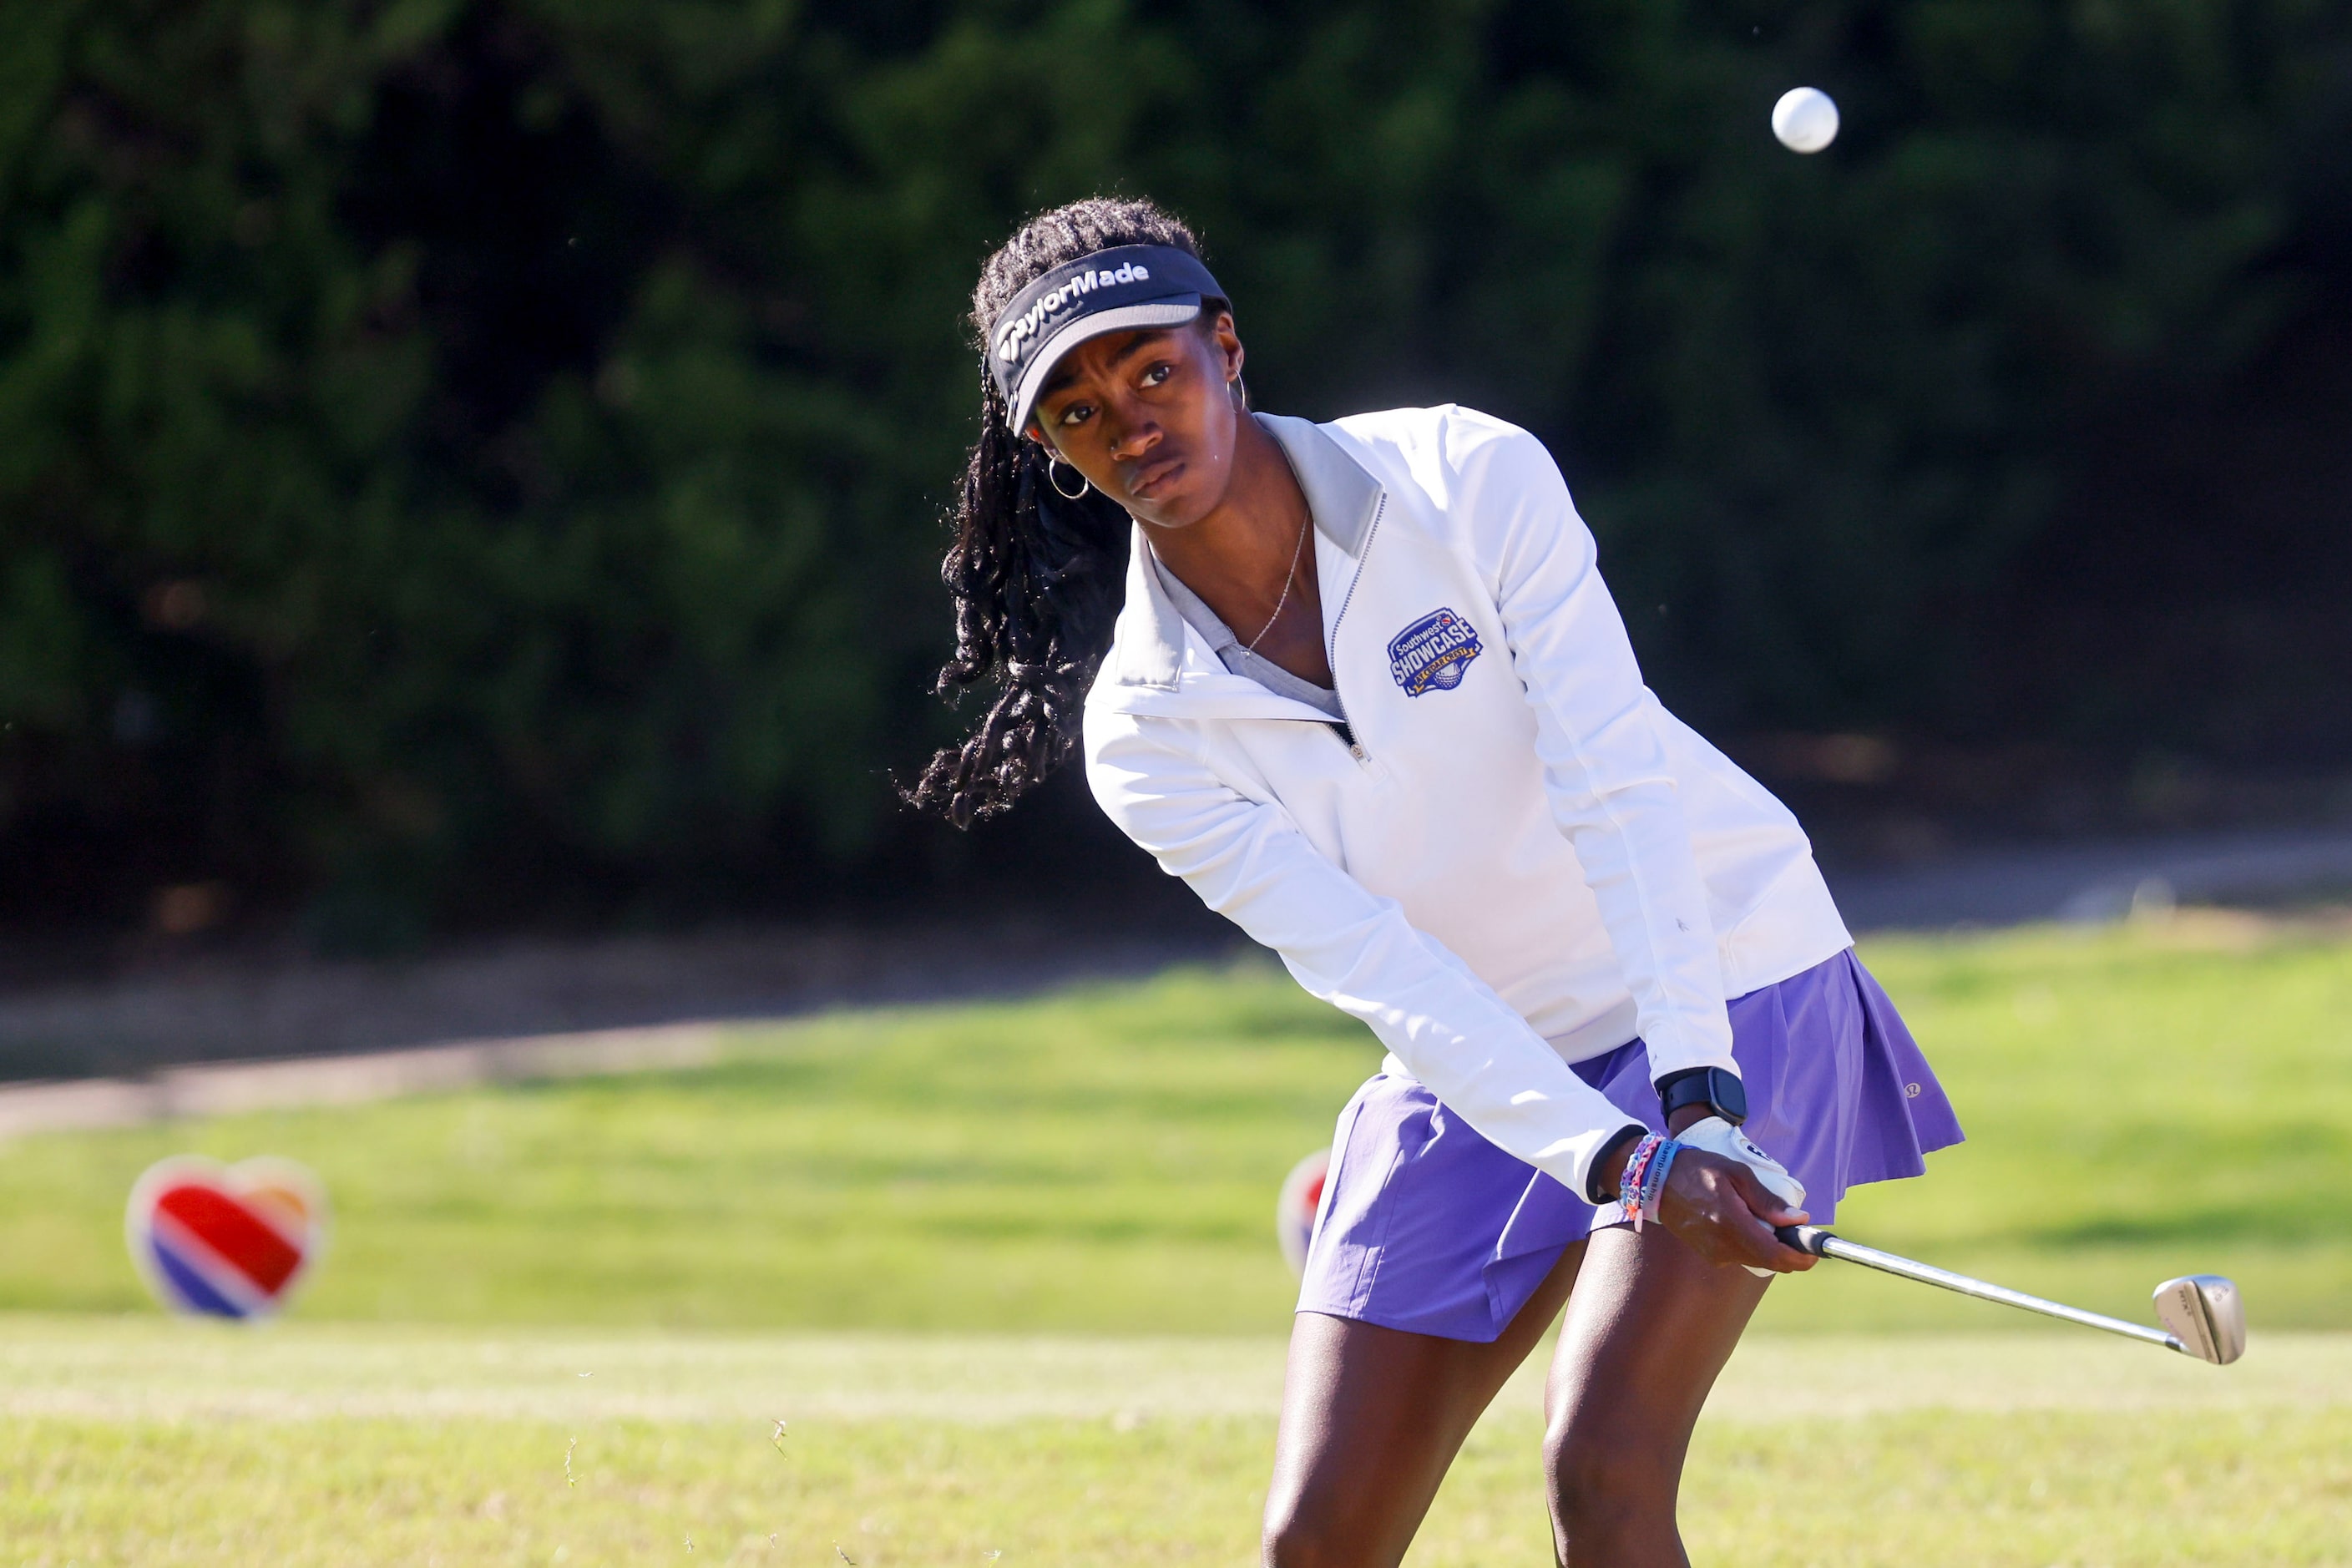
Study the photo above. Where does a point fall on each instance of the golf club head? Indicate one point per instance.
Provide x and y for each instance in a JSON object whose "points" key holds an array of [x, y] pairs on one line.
{"points": [[2204, 1314]]}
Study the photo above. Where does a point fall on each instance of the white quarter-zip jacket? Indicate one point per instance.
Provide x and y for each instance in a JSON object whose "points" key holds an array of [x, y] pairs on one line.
{"points": [[1522, 860]]}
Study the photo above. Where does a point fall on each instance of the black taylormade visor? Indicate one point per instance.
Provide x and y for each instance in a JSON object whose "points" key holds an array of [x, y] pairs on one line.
{"points": [[1125, 288]]}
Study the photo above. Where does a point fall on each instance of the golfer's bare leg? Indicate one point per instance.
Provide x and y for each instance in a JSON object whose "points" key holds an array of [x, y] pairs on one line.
{"points": [[1648, 1328], [1371, 1419]]}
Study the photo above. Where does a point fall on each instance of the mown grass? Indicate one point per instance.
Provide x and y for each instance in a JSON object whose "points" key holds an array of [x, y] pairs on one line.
{"points": [[2140, 1103], [1105, 1158], [1925, 1489], [131, 1443]]}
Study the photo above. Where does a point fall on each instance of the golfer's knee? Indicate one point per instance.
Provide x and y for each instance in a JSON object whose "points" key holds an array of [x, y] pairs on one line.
{"points": [[1302, 1543], [1304, 1537], [1603, 1479]]}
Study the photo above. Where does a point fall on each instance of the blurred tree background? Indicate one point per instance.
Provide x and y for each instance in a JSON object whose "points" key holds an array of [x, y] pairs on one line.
{"points": [[465, 459]]}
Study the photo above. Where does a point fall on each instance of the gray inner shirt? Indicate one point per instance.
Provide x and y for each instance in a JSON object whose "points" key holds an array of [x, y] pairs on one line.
{"points": [[1241, 660]]}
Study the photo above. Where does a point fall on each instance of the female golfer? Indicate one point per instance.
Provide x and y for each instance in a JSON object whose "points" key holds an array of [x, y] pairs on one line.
{"points": [[1360, 685]]}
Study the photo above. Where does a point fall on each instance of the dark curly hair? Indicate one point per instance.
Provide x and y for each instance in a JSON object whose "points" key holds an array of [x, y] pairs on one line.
{"points": [[1037, 578]]}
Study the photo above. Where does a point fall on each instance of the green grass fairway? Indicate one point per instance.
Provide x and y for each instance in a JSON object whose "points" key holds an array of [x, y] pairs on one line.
{"points": [[2141, 1102], [132, 1441], [1101, 1165]]}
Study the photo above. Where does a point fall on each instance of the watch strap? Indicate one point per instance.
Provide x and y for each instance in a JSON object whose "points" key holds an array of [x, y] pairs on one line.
{"points": [[1718, 1089]]}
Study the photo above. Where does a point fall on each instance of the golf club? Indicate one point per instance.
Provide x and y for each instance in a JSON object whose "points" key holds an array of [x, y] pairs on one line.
{"points": [[2202, 1313]]}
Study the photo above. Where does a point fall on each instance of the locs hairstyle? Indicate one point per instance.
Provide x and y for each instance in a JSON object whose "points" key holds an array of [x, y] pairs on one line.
{"points": [[1037, 579]]}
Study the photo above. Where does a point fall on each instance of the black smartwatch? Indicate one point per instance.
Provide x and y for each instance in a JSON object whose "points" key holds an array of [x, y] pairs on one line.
{"points": [[1720, 1092]]}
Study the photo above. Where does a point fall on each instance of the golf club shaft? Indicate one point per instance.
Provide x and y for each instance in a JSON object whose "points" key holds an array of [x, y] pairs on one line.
{"points": [[1824, 1244]]}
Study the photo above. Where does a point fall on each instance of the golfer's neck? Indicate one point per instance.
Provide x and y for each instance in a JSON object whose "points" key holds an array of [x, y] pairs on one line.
{"points": [[1242, 550]]}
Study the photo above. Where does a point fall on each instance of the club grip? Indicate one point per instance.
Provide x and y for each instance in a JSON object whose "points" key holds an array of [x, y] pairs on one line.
{"points": [[1804, 1238]]}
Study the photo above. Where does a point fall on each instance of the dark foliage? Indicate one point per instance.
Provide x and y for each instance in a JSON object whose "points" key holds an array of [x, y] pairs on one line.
{"points": [[463, 460]]}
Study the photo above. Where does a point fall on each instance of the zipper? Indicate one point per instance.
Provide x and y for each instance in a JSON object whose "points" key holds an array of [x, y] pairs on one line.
{"points": [[1331, 642]]}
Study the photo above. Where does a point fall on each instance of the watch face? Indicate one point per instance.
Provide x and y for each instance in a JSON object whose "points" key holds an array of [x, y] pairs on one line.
{"points": [[1715, 1088], [1731, 1096]]}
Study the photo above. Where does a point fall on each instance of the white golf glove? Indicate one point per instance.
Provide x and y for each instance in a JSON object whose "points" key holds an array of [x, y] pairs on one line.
{"points": [[1718, 1136]]}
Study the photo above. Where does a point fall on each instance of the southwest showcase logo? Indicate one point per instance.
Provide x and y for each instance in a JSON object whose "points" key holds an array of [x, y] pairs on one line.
{"points": [[1014, 332], [1433, 653]]}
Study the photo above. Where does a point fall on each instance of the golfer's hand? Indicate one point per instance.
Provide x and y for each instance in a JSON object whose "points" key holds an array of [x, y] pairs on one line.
{"points": [[1719, 1210]]}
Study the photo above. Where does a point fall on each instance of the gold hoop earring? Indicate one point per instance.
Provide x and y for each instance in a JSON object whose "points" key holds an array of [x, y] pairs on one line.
{"points": [[1053, 467]]}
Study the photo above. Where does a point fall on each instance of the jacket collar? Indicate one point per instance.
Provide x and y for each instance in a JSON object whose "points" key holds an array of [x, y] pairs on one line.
{"points": [[1152, 649], [1341, 496]]}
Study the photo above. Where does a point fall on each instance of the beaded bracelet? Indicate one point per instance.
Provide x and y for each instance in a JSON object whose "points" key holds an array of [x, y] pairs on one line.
{"points": [[1644, 1178], [1637, 1165], [1654, 1180]]}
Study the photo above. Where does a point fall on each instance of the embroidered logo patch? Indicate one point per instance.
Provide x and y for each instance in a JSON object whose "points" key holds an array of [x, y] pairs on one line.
{"points": [[1432, 654]]}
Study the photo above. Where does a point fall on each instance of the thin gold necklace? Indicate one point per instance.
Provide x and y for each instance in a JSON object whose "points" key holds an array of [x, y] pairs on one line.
{"points": [[1297, 552]]}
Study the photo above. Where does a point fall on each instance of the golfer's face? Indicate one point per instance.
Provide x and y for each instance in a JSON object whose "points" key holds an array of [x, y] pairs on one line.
{"points": [[1148, 418]]}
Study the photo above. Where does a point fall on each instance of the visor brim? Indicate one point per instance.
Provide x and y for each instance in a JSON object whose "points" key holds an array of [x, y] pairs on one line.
{"points": [[1172, 311]]}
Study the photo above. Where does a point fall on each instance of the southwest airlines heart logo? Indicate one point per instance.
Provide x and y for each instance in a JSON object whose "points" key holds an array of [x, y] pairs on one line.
{"points": [[1294, 1211], [230, 1241]]}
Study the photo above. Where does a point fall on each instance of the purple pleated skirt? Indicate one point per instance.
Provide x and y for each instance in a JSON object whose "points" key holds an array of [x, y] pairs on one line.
{"points": [[1426, 1226]]}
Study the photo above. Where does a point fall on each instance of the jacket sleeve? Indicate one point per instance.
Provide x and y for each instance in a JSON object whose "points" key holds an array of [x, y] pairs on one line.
{"points": [[1249, 861], [1606, 770]]}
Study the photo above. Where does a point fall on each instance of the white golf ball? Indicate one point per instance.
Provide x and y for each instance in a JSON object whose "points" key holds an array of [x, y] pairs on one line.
{"points": [[1805, 119]]}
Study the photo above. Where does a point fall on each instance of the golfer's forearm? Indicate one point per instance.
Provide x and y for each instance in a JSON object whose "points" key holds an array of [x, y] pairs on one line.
{"points": [[1609, 1170]]}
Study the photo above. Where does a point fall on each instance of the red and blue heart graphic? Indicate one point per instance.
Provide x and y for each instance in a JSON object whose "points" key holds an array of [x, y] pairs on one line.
{"points": [[1293, 1212], [228, 1241]]}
